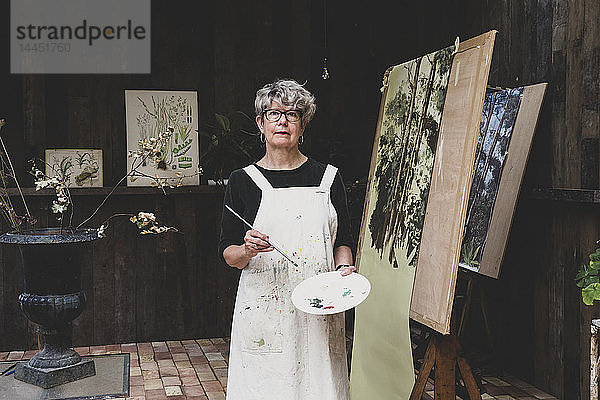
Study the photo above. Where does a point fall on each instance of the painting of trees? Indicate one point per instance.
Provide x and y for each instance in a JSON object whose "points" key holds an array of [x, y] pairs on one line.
{"points": [[500, 111], [405, 154]]}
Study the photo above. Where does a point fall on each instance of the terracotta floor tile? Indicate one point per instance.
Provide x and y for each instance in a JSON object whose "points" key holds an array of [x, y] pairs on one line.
{"points": [[190, 380], [180, 357], [136, 391], [187, 372], [136, 380], [171, 381], [198, 359], [15, 355], [212, 386], [173, 391], [193, 390], [168, 371], [30, 353], [156, 394], [83, 351], [209, 349], [129, 348], [149, 366], [162, 355], [214, 356], [196, 398], [167, 362], [215, 395], [202, 367], [3, 355], [206, 376], [96, 350], [146, 357], [150, 384], [112, 348], [218, 364], [150, 375]]}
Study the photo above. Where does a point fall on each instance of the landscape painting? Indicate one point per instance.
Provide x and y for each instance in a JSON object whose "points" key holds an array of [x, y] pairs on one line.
{"points": [[406, 151], [75, 167], [152, 113], [500, 111], [401, 166]]}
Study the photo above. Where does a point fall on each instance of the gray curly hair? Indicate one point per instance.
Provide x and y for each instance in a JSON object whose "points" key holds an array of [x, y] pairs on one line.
{"points": [[287, 93]]}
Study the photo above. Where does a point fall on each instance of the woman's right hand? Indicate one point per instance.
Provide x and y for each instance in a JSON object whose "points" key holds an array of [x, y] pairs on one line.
{"points": [[256, 242]]}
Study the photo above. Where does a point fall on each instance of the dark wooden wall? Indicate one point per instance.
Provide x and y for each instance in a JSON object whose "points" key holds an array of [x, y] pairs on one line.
{"points": [[176, 286]]}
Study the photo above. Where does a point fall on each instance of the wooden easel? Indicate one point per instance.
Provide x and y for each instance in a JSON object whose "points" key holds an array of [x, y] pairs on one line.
{"points": [[444, 354], [474, 286]]}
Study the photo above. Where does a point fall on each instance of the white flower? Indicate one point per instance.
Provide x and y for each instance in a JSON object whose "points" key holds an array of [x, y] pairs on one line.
{"points": [[146, 215], [58, 207], [100, 230]]}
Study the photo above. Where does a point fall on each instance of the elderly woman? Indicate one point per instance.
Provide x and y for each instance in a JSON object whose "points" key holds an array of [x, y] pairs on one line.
{"points": [[298, 204]]}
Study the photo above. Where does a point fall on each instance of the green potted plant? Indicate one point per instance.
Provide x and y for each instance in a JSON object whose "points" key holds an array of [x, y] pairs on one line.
{"points": [[588, 279]]}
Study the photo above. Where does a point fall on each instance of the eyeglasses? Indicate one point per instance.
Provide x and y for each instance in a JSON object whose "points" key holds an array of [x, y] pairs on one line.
{"points": [[274, 115]]}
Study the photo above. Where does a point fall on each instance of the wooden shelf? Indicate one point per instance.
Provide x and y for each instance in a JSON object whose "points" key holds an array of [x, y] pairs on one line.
{"points": [[123, 191], [589, 196]]}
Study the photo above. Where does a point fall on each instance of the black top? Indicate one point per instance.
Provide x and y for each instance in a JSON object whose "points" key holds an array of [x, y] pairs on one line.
{"points": [[244, 197]]}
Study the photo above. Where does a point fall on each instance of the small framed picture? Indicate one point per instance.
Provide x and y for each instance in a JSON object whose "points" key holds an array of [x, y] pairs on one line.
{"points": [[76, 167], [151, 113]]}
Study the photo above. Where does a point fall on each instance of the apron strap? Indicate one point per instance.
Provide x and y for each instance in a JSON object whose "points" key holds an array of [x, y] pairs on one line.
{"points": [[328, 177], [258, 178]]}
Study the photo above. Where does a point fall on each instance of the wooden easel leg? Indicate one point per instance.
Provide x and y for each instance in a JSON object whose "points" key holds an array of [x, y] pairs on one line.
{"points": [[443, 355], [467, 375], [467, 305], [419, 388], [445, 368]]}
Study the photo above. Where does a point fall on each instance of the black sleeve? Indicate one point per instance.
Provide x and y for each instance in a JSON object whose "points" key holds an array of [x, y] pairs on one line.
{"points": [[232, 229], [338, 198]]}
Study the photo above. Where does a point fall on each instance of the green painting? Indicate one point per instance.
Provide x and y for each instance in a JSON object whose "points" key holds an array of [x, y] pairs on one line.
{"points": [[382, 365], [406, 150]]}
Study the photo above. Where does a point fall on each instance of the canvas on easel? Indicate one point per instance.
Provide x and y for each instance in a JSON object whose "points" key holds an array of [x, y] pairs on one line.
{"points": [[401, 167], [508, 123], [437, 266]]}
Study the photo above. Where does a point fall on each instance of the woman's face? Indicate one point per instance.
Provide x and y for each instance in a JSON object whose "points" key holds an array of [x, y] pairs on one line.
{"points": [[281, 133]]}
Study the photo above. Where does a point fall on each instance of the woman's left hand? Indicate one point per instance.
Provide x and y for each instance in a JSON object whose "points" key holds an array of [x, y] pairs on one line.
{"points": [[347, 270]]}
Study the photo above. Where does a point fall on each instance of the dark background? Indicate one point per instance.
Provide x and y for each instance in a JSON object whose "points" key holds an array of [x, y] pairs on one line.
{"points": [[175, 286]]}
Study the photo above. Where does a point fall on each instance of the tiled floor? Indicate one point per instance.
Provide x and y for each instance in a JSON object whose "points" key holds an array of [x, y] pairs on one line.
{"points": [[197, 370]]}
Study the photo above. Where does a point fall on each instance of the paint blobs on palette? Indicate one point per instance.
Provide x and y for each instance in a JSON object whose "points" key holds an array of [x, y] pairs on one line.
{"points": [[347, 293], [316, 302], [320, 303]]}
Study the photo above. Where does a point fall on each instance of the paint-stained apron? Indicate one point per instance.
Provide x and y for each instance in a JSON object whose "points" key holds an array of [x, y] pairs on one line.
{"points": [[278, 352]]}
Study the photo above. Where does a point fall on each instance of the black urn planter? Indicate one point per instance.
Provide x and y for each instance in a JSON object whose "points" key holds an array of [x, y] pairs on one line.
{"points": [[53, 298]]}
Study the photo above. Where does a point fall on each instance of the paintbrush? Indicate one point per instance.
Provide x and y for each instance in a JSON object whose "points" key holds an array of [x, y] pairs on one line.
{"points": [[5, 372], [251, 227]]}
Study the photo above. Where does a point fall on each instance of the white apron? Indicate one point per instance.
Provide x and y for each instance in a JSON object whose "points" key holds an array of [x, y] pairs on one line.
{"points": [[278, 352]]}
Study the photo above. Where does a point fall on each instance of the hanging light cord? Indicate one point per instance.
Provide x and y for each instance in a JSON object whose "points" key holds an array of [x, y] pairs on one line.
{"points": [[325, 74]]}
